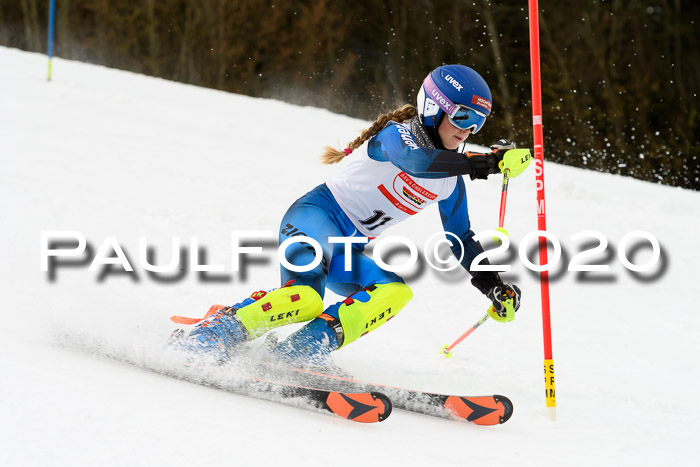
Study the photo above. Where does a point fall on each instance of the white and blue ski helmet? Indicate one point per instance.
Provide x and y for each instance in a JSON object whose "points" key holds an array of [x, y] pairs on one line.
{"points": [[455, 91]]}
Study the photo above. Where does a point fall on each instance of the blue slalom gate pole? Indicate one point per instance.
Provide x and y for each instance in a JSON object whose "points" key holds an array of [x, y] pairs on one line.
{"points": [[52, 16]]}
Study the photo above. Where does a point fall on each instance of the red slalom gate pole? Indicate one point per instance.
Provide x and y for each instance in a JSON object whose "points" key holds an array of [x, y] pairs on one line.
{"points": [[538, 140]]}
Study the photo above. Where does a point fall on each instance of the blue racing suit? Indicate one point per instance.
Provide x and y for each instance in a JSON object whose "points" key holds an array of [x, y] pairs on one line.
{"points": [[319, 215]]}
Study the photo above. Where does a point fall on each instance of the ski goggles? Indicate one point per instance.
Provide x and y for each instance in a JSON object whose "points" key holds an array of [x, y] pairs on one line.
{"points": [[466, 118], [460, 115]]}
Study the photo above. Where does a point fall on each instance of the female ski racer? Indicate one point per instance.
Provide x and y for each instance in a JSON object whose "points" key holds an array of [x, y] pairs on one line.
{"points": [[403, 163]]}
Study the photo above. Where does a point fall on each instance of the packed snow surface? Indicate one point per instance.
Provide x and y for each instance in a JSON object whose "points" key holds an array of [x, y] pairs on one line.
{"points": [[117, 156]]}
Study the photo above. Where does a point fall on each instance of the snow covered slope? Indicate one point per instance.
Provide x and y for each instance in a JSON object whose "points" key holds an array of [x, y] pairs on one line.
{"points": [[114, 154]]}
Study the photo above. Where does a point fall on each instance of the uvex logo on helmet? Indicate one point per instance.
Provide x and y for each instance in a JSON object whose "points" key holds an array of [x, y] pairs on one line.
{"points": [[453, 82], [480, 101], [444, 103]]}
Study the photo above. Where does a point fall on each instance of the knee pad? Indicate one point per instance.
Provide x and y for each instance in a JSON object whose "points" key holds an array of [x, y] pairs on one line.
{"points": [[368, 309], [286, 305]]}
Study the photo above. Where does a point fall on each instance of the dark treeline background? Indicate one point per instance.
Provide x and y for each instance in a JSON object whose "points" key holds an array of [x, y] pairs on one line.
{"points": [[620, 78]]}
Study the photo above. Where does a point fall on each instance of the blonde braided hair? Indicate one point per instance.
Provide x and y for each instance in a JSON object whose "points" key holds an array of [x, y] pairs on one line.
{"points": [[332, 155]]}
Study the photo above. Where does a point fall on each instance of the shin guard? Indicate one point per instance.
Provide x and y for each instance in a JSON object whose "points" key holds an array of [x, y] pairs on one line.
{"points": [[344, 322], [369, 308], [286, 305]]}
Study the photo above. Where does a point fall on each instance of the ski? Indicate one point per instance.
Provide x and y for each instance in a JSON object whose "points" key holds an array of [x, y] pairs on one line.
{"points": [[480, 410], [364, 407], [358, 406]]}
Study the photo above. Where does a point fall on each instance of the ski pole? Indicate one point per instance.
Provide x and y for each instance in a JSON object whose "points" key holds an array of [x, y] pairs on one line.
{"points": [[502, 211], [447, 349]]}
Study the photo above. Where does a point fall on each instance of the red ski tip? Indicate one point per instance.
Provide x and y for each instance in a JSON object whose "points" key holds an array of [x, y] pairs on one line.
{"points": [[482, 410], [361, 407], [185, 320]]}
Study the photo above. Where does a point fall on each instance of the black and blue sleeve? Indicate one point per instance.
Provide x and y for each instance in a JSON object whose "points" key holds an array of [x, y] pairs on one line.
{"points": [[454, 214]]}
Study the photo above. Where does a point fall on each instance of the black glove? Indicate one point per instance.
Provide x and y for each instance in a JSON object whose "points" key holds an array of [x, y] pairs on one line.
{"points": [[485, 281], [502, 295], [482, 165], [500, 147]]}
